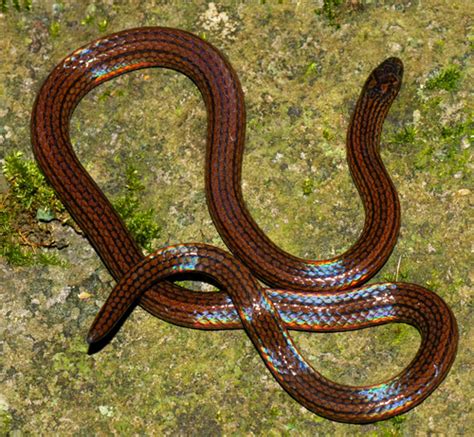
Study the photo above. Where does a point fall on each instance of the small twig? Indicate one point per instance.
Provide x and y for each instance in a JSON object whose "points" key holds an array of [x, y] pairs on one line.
{"points": [[398, 268], [32, 244]]}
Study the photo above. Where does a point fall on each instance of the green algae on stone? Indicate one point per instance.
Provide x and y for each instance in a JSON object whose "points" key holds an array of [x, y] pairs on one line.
{"points": [[160, 379], [140, 222]]}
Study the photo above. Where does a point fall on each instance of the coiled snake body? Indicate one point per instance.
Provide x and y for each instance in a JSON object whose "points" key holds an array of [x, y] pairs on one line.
{"points": [[309, 295]]}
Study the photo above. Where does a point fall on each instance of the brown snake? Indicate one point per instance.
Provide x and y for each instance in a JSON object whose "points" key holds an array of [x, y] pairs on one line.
{"points": [[312, 295]]}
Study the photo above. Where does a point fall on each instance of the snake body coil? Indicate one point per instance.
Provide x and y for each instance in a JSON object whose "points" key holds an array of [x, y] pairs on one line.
{"points": [[311, 295]]}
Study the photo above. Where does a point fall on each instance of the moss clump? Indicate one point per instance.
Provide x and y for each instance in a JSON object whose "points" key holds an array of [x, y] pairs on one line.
{"points": [[442, 151], [95, 16], [103, 24], [28, 200], [308, 186], [139, 222], [54, 29], [5, 422], [311, 70], [18, 6], [447, 79], [28, 186], [391, 428], [405, 136], [442, 141], [329, 10]]}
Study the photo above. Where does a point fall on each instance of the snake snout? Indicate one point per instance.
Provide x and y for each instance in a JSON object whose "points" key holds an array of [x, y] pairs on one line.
{"points": [[393, 66]]}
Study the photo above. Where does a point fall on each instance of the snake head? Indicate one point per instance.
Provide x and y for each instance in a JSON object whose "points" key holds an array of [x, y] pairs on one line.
{"points": [[384, 82]]}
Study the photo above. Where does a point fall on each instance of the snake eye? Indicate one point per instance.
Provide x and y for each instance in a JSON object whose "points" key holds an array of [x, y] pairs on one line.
{"points": [[383, 87], [376, 88]]}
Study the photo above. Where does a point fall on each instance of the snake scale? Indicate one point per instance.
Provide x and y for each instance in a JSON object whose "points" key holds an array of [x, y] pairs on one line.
{"points": [[325, 295]]}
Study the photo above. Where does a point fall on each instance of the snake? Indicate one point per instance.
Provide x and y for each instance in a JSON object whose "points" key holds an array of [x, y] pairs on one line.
{"points": [[312, 295]]}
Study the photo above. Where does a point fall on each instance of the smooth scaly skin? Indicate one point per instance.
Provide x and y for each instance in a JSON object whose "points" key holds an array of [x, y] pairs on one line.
{"points": [[382, 211], [151, 47], [158, 47], [260, 312]]}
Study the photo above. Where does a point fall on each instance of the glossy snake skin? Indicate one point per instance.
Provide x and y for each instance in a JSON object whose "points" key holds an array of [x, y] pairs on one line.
{"points": [[311, 295]]}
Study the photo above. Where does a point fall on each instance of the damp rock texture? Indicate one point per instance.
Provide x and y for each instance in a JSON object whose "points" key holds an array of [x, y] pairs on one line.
{"points": [[302, 67]]}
